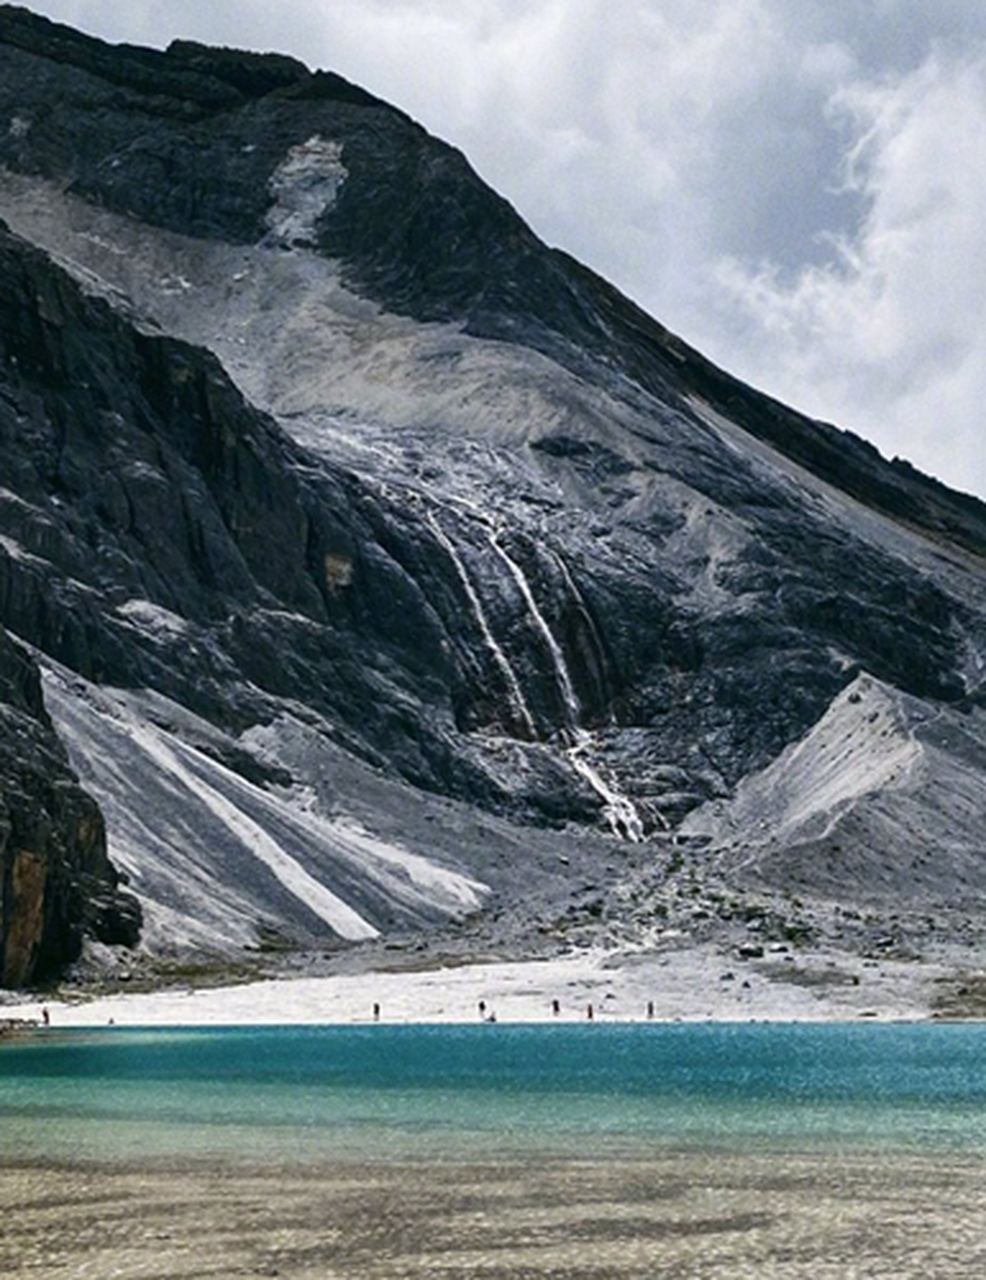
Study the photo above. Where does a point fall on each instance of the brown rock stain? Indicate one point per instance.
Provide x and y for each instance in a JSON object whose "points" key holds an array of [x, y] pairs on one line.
{"points": [[24, 918]]}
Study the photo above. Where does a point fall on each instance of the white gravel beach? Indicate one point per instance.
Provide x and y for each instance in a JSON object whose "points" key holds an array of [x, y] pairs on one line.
{"points": [[691, 984]]}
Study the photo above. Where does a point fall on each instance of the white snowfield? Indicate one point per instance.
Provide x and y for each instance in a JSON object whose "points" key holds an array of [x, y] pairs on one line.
{"points": [[305, 183]]}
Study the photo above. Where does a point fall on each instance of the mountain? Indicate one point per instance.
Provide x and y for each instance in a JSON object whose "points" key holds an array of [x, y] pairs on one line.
{"points": [[387, 574]]}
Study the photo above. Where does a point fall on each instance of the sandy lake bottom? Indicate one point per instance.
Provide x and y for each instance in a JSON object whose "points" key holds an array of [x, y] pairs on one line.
{"points": [[672, 1214]]}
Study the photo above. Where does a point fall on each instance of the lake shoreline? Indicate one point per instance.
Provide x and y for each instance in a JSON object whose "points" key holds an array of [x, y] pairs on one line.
{"points": [[686, 984]]}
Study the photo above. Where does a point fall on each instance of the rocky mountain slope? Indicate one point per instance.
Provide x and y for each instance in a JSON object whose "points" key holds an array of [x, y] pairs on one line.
{"points": [[383, 566]]}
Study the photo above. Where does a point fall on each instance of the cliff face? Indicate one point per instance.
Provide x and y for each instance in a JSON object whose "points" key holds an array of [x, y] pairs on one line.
{"points": [[381, 562], [56, 882]]}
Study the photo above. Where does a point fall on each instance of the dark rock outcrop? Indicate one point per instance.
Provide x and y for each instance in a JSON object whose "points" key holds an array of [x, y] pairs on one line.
{"points": [[56, 882], [143, 474]]}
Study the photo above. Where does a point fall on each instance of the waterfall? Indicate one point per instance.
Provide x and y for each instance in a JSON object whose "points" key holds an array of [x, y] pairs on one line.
{"points": [[590, 622], [570, 699], [620, 811], [517, 700]]}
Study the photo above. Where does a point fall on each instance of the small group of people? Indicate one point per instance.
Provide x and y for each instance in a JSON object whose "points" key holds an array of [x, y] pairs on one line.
{"points": [[488, 1015]]}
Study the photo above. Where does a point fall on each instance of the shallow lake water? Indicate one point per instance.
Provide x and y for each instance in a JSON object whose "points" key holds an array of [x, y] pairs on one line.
{"points": [[501, 1151], [397, 1091]]}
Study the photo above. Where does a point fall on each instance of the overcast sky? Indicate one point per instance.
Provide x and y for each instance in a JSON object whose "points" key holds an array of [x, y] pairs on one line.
{"points": [[796, 187]]}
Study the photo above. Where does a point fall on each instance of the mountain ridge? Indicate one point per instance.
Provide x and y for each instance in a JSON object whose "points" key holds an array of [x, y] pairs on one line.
{"points": [[310, 440]]}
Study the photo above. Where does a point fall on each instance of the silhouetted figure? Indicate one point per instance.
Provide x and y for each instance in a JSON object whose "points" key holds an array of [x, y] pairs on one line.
{"points": [[46, 1017], [555, 1008], [482, 1008], [589, 1012], [376, 1012], [650, 1008]]}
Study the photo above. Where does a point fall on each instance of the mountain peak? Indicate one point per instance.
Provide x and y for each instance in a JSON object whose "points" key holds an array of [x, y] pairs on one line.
{"points": [[401, 567]]}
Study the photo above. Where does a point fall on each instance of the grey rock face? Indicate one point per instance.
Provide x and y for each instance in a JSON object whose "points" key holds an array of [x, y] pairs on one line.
{"points": [[304, 432]]}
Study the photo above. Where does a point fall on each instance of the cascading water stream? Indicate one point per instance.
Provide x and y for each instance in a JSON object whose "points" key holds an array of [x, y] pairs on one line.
{"points": [[573, 709], [517, 699], [576, 594], [621, 813]]}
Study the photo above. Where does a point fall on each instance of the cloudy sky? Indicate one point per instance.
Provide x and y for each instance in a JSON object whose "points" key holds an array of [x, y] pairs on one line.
{"points": [[797, 188]]}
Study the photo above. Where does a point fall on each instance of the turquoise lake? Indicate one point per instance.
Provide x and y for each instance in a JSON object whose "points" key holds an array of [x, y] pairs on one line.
{"points": [[407, 1091]]}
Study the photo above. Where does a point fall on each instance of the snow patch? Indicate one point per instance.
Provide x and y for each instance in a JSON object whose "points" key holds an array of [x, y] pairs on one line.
{"points": [[457, 892], [215, 858], [303, 186], [14, 499], [336, 914], [153, 618], [17, 552]]}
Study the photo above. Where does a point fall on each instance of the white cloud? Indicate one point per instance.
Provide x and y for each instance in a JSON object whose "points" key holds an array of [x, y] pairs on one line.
{"points": [[888, 337]]}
